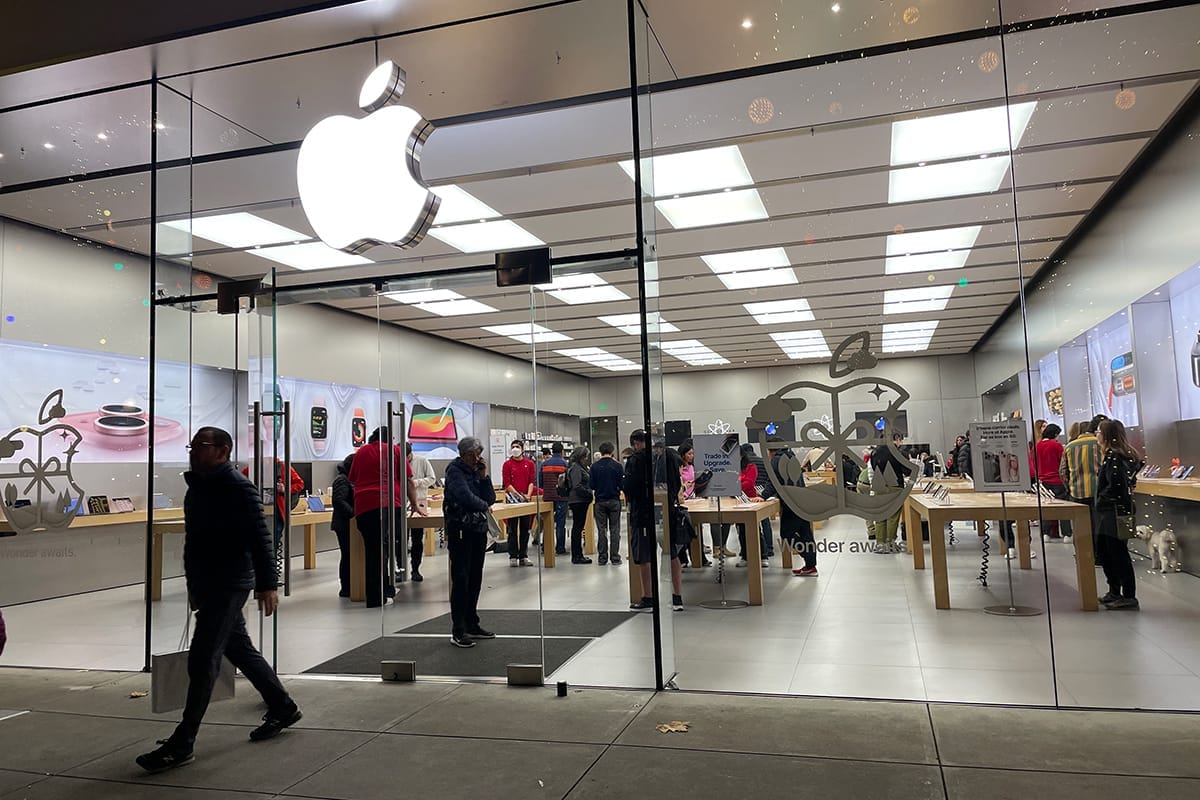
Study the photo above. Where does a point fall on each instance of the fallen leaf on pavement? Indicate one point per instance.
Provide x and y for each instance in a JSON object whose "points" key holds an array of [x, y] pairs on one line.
{"points": [[136, 695], [673, 727]]}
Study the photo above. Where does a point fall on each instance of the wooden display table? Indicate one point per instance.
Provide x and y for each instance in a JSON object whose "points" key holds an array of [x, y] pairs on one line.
{"points": [[732, 513], [981, 508], [100, 520], [1169, 487]]}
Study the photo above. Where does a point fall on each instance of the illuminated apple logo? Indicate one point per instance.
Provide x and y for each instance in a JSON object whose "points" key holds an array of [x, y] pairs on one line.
{"points": [[360, 179]]}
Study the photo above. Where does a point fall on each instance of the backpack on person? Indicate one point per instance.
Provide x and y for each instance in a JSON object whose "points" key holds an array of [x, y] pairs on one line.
{"points": [[563, 485]]}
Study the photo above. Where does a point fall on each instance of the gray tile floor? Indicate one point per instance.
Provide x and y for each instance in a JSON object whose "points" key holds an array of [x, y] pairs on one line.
{"points": [[865, 628], [75, 735]]}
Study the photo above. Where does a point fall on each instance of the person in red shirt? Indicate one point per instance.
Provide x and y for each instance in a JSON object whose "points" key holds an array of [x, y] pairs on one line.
{"points": [[519, 475], [749, 481], [368, 474], [1047, 455], [282, 510]]}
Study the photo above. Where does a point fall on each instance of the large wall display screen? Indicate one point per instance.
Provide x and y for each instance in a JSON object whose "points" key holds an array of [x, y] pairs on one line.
{"points": [[1185, 323], [1113, 372], [1050, 398], [435, 424], [107, 400], [330, 420]]}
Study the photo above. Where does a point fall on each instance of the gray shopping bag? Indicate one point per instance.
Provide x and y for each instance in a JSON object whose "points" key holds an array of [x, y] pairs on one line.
{"points": [[169, 678]]}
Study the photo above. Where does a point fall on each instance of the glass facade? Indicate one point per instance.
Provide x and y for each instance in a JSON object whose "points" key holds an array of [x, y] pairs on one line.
{"points": [[805, 250]]}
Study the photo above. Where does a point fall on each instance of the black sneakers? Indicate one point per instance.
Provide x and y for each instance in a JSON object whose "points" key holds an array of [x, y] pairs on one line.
{"points": [[677, 602], [481, 633], [645, 604], [461, 640], [164, 758], [273, 724]]}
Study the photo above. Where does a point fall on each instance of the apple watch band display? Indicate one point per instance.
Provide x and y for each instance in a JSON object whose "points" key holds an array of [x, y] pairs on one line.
{"points": [[358, 428], [318, 426]]}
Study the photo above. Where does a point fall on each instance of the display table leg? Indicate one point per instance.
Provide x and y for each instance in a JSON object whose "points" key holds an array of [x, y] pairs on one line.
{"points": [[358, 566], [937, 553], [696, 551], [589, 531], [548, 535], [156, 565], [1085, 560], [1022, 537], [635, 570], [310, 546], [430, 541], [754, 567], [912, 534]]}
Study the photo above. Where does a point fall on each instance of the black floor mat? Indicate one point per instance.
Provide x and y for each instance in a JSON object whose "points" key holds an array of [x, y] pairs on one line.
{"points": [[436, 656], [592, 624]]}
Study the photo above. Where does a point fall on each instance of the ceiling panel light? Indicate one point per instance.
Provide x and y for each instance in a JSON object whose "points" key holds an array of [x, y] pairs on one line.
{"points": [[422, 296], [693, 171], [313, 255], [526, 333], [579, 289], [947, 180], [692, 351], [745, 260], [758, 278], [599, 358], [907, 337], [484, 237], [923, 299], [237, 230], [456, 308], [776, 311], [631, 323], [458, 205], [802, 344], [719, 208], [946, 248], [963, 133]]}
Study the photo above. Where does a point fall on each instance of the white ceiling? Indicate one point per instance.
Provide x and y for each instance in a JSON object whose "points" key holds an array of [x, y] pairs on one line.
{"points": [[820, 163]]}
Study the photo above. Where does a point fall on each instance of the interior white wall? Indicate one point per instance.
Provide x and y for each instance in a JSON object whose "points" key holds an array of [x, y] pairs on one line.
{"points": [[1147, 238], [942, 389]]}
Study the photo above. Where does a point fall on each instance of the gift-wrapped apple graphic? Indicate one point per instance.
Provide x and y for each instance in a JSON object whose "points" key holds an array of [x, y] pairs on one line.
{"points": [[822, 501], [39, 490], [360, 179]]}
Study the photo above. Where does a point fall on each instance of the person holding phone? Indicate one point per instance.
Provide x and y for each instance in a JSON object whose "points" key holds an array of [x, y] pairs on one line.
{"points": [[469, 496]]}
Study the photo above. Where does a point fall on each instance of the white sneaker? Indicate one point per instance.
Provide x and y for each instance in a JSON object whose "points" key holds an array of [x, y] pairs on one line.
{"points": [[1045, 537], [1068, 539], [525, 562], [741, 562], [1011, 554], [513, 562], [766, 562]]}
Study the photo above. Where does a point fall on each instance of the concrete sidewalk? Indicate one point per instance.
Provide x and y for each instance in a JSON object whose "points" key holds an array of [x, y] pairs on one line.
{"points": [[72, 734]]}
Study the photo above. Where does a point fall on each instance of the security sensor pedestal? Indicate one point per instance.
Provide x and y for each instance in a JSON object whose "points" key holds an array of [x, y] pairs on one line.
{"points": [[525, 675], [1012, 609], [403, 671]]}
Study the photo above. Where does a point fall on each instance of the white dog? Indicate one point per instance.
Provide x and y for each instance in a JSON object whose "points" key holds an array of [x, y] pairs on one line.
{"points": [[1163, 549]]}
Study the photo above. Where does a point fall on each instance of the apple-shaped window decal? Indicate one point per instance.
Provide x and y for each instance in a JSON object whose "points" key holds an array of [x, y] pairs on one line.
{"points": [[356, 186]]}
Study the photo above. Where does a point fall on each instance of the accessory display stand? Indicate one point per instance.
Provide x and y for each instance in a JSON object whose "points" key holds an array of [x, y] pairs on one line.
{"points": [[1012, 609], [724, 603]]}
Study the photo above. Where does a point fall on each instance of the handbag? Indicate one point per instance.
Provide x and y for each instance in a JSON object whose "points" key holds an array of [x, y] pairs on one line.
{"points": [[1126, 527], [493, 529], [169, 677]]}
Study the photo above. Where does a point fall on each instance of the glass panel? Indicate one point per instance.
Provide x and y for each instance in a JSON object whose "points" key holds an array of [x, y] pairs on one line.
{"points": [[74, 416]]}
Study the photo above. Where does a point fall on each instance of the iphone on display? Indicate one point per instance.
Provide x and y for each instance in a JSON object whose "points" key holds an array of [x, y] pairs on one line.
{"points": [[358, 428], [1122, 375], [730, 444], [318, 426]]}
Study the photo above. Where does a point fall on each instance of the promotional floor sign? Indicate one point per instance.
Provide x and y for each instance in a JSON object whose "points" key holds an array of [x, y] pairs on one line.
{"points": [[1000, 456], [718, 465]]}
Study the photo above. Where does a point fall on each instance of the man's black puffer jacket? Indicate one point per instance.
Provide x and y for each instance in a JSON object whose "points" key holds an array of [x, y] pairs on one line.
{"points": [[226, 544]]}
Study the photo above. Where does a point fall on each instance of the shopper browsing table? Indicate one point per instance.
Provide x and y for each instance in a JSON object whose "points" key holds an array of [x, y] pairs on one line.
{"points": [[607, 474], [469, 495], [227, 553], [639, 494]]}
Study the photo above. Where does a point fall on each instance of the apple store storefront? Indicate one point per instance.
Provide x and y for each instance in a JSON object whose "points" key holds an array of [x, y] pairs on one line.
{"points": [[808, 251]]}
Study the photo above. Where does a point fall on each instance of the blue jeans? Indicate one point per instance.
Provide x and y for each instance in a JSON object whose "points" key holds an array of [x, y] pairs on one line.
{"points": [[560, 525]]}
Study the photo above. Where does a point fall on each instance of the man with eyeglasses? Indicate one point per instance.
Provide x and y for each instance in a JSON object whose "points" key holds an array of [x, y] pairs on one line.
{"points": [[227, 552]]}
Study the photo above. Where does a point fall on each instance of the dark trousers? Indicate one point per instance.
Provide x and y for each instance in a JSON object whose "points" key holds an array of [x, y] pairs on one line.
{"points": [[466, 576], [607, 514], [578, 521], [768, 538], [1052, 527], [221, 633], [343, 539], [800, 538], [371, 525], [560, 525], [518, 537], [764, 537], [1118, 566], [416, 547]]}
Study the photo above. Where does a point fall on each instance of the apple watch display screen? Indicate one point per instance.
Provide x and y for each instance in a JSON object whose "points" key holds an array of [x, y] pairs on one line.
{"points": [[358, 428], [319, 422]]}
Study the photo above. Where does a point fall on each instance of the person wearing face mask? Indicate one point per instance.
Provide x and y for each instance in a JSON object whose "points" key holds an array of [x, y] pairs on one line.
{"points": [[519, 475]]}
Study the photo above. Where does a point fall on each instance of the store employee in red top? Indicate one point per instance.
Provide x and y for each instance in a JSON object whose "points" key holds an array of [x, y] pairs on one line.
{"points": [[519, 475], [281, 497], [368, 474], [1047, 456]]}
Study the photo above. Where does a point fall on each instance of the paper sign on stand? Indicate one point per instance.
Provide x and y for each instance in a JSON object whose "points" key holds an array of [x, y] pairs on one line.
{"points": [[1000, 456], [718, 465]]}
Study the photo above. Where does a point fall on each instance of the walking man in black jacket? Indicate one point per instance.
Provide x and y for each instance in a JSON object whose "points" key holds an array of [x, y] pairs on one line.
{"points": [[227, 551]]}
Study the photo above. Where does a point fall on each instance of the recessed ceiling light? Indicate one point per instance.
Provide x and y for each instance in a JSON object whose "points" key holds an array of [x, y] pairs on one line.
{"points": [[158, 126], [414, 296], [578, 289], [236, 230], [459, 205], [802, 344], [102, 136], [747, 260], [719, 208], [599, 358], [482, 237], [747, 24], [631, 323], [758, 278], [313, 255], [947, 180], [963, 133], [776, 311], [921, 251], [907, 337], [48, 145], [456, 308], [693, 352], [527, 333], [692, 171], [836, 7], [921, 299]]}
